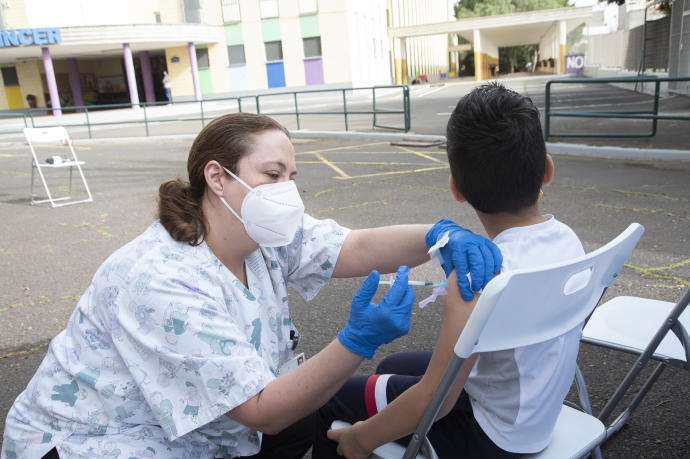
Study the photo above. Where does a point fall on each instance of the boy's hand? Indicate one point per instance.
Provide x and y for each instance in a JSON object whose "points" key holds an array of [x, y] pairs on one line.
{"points": [[348, 443], [466, 252]]}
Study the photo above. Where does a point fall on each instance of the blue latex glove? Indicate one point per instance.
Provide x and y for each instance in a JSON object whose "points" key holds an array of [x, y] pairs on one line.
{"points": [[466, 252], [371, 325]]}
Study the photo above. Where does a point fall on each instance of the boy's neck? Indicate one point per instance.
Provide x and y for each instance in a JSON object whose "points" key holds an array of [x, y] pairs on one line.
{"points": [[494, 224]]}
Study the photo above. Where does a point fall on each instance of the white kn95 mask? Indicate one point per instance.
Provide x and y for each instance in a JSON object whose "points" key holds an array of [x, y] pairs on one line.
{"points": [[270, 213]]}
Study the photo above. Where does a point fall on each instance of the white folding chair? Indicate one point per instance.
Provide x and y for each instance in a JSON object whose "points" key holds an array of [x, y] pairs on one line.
{"points": [[54, 136], [525, 307], [640, 326]]}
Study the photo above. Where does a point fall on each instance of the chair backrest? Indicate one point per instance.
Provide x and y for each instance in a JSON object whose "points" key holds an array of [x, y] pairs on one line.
{"points": [[47, 135], [530, 306]]}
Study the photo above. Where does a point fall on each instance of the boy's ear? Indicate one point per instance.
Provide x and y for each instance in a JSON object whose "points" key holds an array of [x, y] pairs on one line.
{"points": [[453, 189], [548, 171]]}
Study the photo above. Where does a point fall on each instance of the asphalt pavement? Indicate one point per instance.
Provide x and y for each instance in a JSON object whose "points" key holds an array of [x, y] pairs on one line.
{"points": [[48, 256]]}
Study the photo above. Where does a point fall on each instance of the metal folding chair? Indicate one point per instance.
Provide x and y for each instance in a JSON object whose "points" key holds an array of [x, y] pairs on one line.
{"points": [[643, 327], [54, 136], [525, 307]]}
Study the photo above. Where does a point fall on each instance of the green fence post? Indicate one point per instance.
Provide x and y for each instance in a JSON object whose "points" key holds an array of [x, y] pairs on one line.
{"points": [[373, 99], [88, 123], [201, 108], [345, 110], [547, 111], [146, 120], [406, 107], [296, 109], [239, 104], [656, 106], [31, 115], [258, 110]]}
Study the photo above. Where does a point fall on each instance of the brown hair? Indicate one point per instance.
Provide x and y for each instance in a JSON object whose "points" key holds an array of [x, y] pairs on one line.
{"points": [[226, 140]]}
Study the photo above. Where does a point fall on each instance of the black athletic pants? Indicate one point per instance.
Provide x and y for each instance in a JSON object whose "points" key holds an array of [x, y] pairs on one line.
{"points": [[456, 435]]}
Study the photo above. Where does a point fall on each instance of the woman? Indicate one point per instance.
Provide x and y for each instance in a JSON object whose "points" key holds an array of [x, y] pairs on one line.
{"points": [[175, 348]]}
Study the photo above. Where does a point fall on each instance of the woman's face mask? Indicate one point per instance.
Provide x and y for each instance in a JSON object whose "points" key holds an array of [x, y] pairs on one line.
{"points": [[270, 213]]}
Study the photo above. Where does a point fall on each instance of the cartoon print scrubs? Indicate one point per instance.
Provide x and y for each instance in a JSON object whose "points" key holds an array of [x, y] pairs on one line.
{"points": [[162, 344]]}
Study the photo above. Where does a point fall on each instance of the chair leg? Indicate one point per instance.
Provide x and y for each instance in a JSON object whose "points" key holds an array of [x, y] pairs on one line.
{"points": [[622, 418], [583, 396]]}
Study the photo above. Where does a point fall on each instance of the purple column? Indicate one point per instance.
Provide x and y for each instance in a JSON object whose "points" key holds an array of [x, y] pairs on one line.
{"points": [[131, 79], [52, 84], [146, 75], [195, 70], [74, 83]]}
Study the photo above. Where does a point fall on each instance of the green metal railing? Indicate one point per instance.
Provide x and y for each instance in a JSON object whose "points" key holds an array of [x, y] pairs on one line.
{"points": [[12, 115], [242, 104], [652, 114]]}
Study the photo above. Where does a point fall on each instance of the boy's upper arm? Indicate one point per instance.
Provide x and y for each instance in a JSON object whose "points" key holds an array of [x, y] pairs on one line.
{"points": [[456, 312]]}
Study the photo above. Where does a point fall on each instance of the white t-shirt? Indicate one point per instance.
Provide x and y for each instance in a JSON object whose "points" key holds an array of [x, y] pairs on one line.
{"points": [[162, 344], [517, 394]]}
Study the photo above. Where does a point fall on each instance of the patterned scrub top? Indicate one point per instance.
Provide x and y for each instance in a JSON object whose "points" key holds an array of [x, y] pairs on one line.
{"points": [[162, 344]]}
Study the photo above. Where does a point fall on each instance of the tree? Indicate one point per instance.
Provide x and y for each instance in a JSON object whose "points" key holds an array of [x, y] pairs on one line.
{"points": [[515, 57], [474, 8], [663, 6]]}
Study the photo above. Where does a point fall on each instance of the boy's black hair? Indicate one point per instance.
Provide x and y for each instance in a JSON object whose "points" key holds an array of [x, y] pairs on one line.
{"points": [[496, 149]]}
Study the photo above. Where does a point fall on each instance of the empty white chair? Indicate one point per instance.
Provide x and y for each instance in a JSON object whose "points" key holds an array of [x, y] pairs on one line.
{"points": [[54, 136], [652, 329]]}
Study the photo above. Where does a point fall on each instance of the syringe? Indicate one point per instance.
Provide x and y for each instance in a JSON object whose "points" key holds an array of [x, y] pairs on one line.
{"points": [[442, 284]]}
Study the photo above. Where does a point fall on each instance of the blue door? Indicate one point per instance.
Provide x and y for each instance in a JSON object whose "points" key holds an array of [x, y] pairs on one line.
{"points": [[276, 74]]}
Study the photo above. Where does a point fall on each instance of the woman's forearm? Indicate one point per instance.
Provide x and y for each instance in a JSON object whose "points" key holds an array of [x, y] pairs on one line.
{"points": [[303, 390], [384, 249]]}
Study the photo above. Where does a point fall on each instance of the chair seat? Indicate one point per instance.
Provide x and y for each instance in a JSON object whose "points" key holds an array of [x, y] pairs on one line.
{"points": [[576, 433], [64, 164], [629, 323], [390, 450]]}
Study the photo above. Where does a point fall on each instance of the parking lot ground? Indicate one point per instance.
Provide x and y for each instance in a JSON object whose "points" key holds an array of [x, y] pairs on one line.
{"points": [[48, 256]]}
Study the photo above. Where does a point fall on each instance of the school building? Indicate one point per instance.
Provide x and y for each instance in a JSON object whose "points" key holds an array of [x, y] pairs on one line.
{"points": [[81, 52]]}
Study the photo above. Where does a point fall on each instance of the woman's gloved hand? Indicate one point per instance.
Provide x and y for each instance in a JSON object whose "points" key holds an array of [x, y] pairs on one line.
{"points": [[371, 325], [466, 252]]}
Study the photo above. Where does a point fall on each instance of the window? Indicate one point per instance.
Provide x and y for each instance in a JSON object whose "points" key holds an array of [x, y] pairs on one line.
{"points": [[192, 11], [202, 58], [231, 11], [236, 55], [307, 7], [274, 51], [9, 76], [312, 47], [157, 16], [269, 9]]}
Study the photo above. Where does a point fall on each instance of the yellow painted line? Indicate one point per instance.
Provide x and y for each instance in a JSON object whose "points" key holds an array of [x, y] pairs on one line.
{"points": [[420, 154], [346, 147], [643, 210], [5, 155], [352, 206], [412, 171], [37, 302], [674, 265], [648, 195], [648, 272], [25, 351], [332, 166], [365, 163]]}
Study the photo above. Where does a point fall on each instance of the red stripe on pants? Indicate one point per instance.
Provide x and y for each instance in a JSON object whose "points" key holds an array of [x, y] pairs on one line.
{"points": [[370, 395]]}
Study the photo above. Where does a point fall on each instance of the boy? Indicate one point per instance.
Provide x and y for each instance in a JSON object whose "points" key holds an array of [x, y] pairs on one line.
{"points": [[503, 404]]}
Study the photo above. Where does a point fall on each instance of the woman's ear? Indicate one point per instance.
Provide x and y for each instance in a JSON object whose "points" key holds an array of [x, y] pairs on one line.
{"points": [[453, 189], [214, 173], [548, 171]]}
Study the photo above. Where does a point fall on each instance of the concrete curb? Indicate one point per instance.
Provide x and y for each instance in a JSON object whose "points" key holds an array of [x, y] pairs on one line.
{"points": [[554, 148]]}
